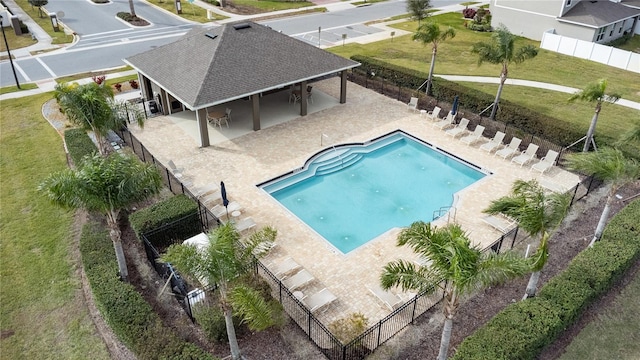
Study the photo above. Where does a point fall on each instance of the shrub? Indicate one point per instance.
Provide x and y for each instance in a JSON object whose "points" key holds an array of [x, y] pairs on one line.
{"points": [[169, 211], [211, 320], [125, 16], [79, 145], [468, 13], [133, 83], [118, 87], [130, 317], [347, 329], [98, 79], [23, 27], [521, 330]]}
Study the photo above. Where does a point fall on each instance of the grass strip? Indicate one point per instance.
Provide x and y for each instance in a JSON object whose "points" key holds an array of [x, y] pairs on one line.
{"points": [[43, 312]]}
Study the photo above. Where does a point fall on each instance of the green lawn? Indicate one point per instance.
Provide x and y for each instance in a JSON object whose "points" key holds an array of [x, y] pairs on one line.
{"points": [[42, 316], [455, 58], [615, 333], [612, 121], [189, 11], [266, 6], [15, 41]]}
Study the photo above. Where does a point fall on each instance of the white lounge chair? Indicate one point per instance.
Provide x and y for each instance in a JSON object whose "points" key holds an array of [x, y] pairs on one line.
{"points": [[299, 279], [511, 149], [177, 172], [286, 267], [413, 104], [549, 185], [494, 143], [475, 136], [527, 155], [391, 300], [500, 223], [318, 300], [219, 210], [245, 224], [546, 162], [459, 129], [434, 114], [446, 122]]}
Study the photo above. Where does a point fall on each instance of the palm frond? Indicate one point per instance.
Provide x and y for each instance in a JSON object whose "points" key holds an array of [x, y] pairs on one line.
{"points": [[252, 307], [608, 164], [260, 242], [495, 269], [408, 276]]}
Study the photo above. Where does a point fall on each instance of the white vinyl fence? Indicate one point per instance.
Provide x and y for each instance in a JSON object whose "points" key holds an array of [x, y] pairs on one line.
{"points": [[591, 51]]}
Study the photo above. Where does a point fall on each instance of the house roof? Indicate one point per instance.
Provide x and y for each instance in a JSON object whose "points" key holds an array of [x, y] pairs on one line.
{"points": [[632, 3], [214, 65], [597, 14]]}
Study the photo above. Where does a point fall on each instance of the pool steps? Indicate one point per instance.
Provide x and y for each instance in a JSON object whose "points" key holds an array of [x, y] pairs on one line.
{"points": [[331, 160]]}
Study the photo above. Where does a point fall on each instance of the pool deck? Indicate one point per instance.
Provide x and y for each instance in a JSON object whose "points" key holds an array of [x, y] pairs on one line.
{"points": [[243, 158]]}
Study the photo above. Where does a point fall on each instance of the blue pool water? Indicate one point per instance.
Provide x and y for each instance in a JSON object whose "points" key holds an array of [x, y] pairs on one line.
{"points": [[352, 194]]}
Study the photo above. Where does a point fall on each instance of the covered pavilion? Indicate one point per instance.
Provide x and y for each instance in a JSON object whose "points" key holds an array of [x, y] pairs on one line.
{"points": [[210, 66]]}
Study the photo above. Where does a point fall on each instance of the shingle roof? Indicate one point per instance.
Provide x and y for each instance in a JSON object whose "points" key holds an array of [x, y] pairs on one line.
{"points": [[210, 66], [598, 13]]}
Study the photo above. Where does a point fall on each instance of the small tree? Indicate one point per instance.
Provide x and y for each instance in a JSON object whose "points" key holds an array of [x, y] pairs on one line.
{"points": [[132, 9], [222, 261], [594, 93], [537, 213], [501, 50], [105, 185], [611, 166], [92, 108], [431, 33], [39, 4], [418, 9], [453, 266]]}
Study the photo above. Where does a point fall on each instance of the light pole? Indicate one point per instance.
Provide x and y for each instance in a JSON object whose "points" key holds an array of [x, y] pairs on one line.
{"points": [[9, 53]]}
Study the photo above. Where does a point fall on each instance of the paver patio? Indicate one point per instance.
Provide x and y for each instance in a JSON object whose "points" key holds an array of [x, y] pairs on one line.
{"points": [[248, 158]]}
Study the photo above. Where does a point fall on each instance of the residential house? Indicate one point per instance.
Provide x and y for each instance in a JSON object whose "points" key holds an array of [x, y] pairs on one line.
{"points": [[594, 21]]}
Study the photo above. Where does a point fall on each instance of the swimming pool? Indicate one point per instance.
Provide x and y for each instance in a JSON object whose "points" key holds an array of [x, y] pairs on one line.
{"points": [[352, 193]]}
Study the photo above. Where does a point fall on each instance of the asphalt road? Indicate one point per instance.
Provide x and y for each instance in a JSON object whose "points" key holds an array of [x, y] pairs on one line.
{"points": [[105, 40]]}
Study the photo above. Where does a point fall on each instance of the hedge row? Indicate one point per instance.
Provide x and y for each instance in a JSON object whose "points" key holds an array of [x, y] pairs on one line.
{"points": [[79, 144], [525, 119], [523, 329], [130, 317], [174, 218]]}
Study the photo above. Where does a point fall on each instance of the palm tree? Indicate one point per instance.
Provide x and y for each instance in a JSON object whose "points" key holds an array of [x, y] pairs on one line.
{"points": [[537, 214], [448, 256], [594, 92], [91, 107], [105, 185], [502, 51], [611, 166], [431, 33], [223, 260]]}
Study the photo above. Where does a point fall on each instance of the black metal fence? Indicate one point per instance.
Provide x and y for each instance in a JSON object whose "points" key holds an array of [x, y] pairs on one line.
{"points": [[316, 331]]}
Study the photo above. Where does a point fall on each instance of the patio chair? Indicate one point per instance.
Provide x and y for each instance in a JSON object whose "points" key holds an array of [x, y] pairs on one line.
{"points": [[446, 122], [219, 210], [413, 104], [552, 186], [245, 224], [459, 129], [391, 300], [500, 223], [318, 300], [494, 143], [286, 267], [300, 279], [527, 155], [475, 136], [434, 114], [511, 149], [227, 115], [177, 172], [546, 162], [309, 98]]}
